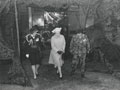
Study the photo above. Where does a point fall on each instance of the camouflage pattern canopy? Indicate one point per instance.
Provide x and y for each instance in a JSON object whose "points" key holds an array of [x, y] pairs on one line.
{"points": [[5, 52]]}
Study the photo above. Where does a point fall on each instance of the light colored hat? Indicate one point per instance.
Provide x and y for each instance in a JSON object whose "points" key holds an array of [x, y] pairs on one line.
{"points": [[56, 30]]}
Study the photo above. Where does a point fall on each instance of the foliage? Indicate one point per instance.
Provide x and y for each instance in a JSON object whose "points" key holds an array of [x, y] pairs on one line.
{"points": [[17, 75], [5, 52]]}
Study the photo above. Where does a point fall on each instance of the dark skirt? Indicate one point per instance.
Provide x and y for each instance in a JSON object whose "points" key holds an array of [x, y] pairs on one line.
{"points": [[35, 56]]}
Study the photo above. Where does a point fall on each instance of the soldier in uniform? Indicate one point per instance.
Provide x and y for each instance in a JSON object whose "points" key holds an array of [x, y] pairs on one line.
{"points": [[79, 47]]}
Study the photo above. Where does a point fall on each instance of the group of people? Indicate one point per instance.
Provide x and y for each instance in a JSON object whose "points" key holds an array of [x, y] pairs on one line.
{"points": [[79, 46]]}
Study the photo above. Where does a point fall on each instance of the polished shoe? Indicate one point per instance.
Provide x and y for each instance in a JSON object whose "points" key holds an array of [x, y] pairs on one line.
{"points": [[37, 74], [61, 78]]}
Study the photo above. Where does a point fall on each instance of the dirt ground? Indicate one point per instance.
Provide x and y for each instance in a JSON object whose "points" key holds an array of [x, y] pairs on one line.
{"points": [[96, 78], [93, 81]]}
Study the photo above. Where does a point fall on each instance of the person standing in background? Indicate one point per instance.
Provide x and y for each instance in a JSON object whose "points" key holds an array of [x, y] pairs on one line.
{"points": [[58, 44], [79, 47]]}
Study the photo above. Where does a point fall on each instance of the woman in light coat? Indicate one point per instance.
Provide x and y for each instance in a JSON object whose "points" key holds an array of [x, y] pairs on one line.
{"points": [[57, 49]]}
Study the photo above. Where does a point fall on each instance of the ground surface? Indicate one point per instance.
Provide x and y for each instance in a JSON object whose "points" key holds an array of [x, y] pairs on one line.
{"points": [[93, 81], [96, 78]]}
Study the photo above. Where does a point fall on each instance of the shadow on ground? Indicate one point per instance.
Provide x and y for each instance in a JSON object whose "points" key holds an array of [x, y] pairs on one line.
{"points": [[96, 78]]}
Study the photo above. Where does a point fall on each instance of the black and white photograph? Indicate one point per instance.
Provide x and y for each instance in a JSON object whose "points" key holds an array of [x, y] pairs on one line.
{"points": [[59, 44]]}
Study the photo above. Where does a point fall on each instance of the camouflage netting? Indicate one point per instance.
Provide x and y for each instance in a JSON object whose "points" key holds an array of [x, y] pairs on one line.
{"points": [[5, 52], [17, 74], [9, 46], [111, 51], [99, 40]]}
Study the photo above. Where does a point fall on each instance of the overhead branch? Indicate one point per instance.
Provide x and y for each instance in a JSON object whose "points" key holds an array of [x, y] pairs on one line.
{"points": [[3, 7], [87, 13]]}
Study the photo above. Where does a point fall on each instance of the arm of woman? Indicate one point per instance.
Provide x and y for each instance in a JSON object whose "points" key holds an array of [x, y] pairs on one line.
{"points": [[64, 44], [27, 37]]}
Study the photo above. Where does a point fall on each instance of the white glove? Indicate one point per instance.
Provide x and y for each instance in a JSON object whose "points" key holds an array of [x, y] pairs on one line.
{"points": [[27, 55], [37, 39]]}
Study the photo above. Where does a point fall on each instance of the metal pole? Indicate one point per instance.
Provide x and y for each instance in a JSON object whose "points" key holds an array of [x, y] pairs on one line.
{"points": [[30, 17], [17, 27]]}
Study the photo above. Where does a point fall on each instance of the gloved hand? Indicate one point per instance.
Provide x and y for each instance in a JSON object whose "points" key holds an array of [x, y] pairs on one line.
{"points": [[27, 55], [59, 52]]}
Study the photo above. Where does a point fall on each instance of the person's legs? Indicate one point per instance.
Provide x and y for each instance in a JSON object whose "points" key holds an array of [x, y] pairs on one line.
{"points": [[82, 63], [38, 61], [59, 66], [36, 68], [58, 62], [75, 62], [60, 71], [34, 71], [57, 71]]}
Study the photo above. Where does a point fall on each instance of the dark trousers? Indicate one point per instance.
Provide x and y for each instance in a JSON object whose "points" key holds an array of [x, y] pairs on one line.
{"points": [[79, 60]]}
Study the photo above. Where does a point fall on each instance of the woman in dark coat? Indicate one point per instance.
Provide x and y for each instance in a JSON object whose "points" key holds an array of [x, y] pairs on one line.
{"points": [[34, 43]]}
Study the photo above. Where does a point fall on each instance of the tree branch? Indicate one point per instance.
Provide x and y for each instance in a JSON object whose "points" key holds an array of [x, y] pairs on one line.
{"points": [[2, 8]]}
